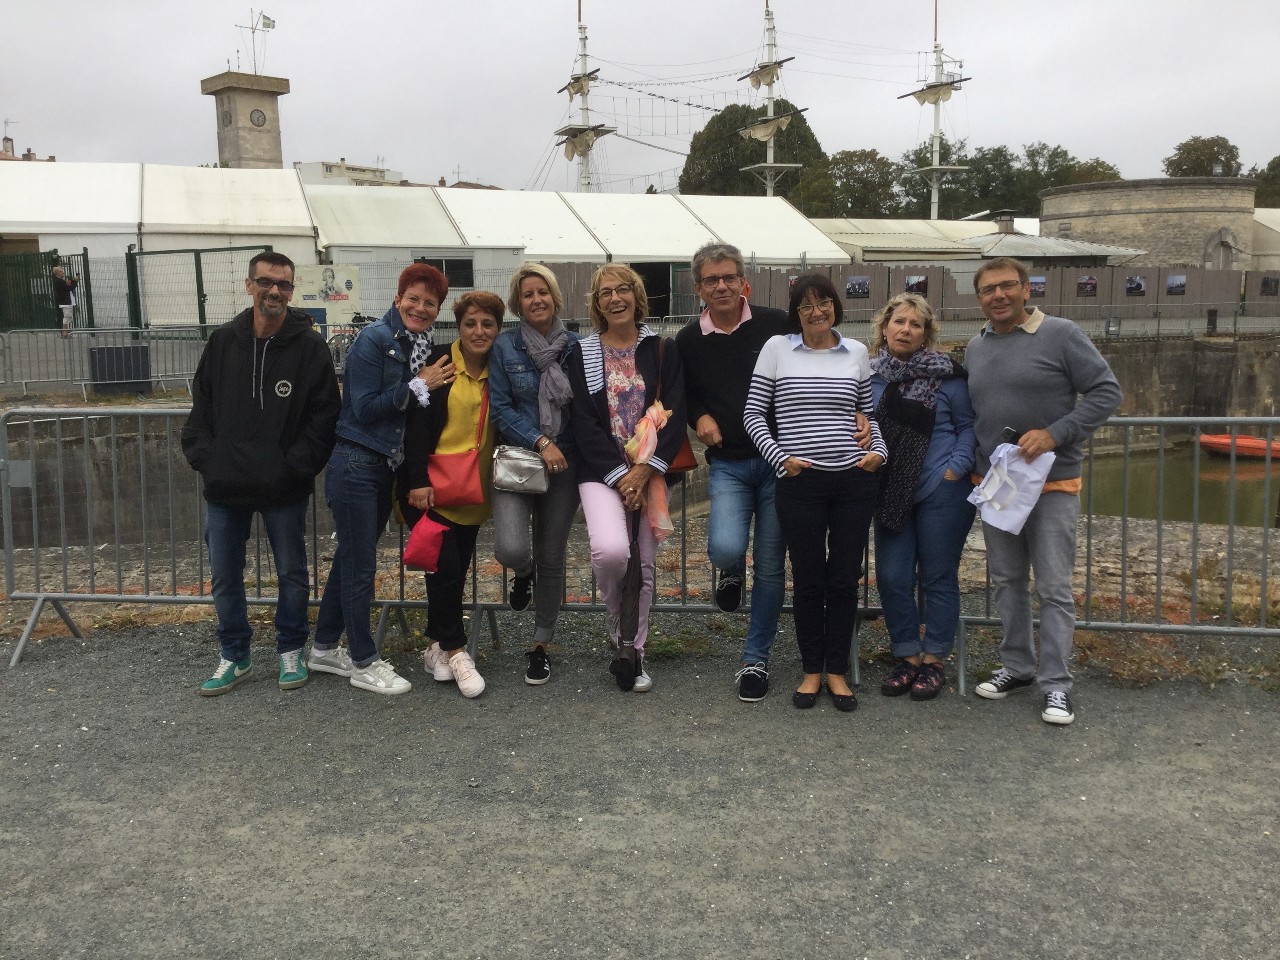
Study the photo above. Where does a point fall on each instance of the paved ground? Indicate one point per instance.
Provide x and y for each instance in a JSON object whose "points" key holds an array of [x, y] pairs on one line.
{"points": [[142, 821]]}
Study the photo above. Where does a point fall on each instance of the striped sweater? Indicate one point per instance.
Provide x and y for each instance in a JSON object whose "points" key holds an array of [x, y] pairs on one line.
{"points": [[814, 395]]}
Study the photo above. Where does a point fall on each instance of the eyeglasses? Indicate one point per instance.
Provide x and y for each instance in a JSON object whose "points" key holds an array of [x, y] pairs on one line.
{"points": [[1005, 286], [266, 283], [806, 309], [605, 294], [728, 279]]}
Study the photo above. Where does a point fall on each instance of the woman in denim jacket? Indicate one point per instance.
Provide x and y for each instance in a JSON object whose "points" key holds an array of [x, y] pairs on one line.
{"points": [[529, 396], [386, 372]]}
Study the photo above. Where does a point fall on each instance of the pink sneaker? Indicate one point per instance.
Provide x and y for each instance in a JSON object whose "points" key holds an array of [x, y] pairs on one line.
{"points": [[435, 660]]}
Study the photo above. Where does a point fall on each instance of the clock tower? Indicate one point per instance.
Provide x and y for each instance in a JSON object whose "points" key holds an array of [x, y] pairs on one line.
{"points": [[248, 117]]}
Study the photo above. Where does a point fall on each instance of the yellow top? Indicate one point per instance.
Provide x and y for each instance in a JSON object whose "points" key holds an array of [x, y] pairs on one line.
{"points": [[459, 436]]}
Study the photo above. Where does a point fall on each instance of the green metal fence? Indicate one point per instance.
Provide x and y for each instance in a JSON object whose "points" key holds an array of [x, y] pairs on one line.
{"points": [[168, 287], [26, 289]]}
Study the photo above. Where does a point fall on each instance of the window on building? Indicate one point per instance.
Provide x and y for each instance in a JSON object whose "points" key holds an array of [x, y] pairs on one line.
{"points": [[459, 272], [1064, 228]]}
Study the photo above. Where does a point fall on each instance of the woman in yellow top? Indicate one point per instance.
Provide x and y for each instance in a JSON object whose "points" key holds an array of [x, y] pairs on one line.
{"points": [[449, 424]]}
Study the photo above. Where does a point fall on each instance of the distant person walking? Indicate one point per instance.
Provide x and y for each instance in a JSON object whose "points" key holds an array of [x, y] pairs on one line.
{"points": [[264, 407], [64, 296]]}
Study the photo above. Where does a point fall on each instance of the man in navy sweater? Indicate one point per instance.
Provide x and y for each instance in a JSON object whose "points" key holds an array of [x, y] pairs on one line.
{"points": [[718, 352]]}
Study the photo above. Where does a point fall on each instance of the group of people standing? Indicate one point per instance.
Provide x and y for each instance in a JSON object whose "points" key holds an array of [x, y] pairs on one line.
{"points": [[811, 440]]}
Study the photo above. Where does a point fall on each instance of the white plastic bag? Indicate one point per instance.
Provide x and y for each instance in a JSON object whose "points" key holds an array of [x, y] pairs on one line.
{"points": [[1009, 491]]}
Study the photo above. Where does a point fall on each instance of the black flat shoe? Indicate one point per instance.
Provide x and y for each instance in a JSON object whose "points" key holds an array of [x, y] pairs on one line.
{"points": [[844, 702], [804, 701], [623, 669]]}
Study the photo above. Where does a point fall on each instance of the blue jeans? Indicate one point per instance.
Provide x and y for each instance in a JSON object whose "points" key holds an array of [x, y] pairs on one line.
{"points": [[930, 543], [226, 531], [741, 489], [357, 487]]}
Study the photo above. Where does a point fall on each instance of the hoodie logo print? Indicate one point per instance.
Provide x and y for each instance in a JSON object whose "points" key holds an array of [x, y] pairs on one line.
{"points": [[283, 388]]}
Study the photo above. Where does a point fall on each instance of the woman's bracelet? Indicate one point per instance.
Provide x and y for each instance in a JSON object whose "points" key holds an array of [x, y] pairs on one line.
{"points": [[542, 444]]}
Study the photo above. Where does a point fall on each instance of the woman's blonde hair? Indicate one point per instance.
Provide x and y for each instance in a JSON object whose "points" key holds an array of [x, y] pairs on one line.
{"points": [[621, 273], [523, 273], [920, 305]]}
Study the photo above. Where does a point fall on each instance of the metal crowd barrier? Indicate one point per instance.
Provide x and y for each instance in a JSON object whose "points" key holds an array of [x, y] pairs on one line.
{"points": [[98, 504], [102, 357]]}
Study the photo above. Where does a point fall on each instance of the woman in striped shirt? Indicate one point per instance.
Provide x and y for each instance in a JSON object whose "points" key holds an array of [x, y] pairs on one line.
{"points": [[812, 383]]}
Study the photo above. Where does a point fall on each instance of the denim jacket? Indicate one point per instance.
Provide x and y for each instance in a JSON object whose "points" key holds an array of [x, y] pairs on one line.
{"points": [[513, 392], [375, 390]]}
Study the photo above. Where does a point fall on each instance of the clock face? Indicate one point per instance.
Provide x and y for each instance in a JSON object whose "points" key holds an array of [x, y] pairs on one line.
{"points": [[258, 118]]}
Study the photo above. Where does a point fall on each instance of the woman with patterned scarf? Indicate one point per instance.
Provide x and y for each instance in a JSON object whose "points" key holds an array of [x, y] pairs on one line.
{"points": [[529, 397], [924, 516]]}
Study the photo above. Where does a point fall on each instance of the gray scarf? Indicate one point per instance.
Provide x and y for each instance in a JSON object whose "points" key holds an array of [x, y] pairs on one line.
{"points": [[554, 392]]}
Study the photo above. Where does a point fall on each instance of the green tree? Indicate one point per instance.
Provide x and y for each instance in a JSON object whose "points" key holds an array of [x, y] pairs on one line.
{"points": [[1094, 171], [814, 194], [1198, 156], [991, 182], [1268, 194], [717, 153], [865, 183], [953, 198]]}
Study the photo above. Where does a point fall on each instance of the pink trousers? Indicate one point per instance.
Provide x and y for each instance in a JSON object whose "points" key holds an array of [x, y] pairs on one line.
{"points": [[607, 528]]}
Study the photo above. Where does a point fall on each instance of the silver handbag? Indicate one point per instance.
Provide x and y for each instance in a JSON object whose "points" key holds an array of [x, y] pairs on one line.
{"points": [[519, 470]]}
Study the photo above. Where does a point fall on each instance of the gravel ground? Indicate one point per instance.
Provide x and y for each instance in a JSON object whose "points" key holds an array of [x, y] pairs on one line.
{"points": [[570, 820]]}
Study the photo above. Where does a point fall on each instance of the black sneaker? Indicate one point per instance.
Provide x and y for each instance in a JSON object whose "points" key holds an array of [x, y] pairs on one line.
{"points": [[1001, 684], [1057, 709], [521, 592], [539, 671], [729, 591], [753, 682]]}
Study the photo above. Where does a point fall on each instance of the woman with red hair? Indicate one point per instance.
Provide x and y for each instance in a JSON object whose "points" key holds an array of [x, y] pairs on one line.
{"points": [[386, 373]]}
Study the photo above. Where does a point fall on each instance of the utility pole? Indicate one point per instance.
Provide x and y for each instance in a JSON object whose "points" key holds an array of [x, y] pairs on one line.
{"points": [[767, 74], [580, 137], [938, 91]]}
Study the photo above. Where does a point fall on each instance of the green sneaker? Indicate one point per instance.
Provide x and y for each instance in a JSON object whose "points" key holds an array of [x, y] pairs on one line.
{"points": [[293, 671], [226, 676]]}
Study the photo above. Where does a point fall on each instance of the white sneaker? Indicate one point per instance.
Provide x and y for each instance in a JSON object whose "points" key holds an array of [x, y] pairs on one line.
{"points": [[644, 682], [435, 660], [334, 660], [379, 677], [470, 683], [1057, 709]]}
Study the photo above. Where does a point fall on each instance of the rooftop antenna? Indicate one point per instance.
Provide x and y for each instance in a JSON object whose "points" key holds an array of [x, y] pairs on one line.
{"points": [[937, 92], [9, 123], [768, 127], [258, 23], [580, 137]]}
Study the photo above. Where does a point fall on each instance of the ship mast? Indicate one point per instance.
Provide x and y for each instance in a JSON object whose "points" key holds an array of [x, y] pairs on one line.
{"points": [[937, 91], [580, 137], [766, 74]]}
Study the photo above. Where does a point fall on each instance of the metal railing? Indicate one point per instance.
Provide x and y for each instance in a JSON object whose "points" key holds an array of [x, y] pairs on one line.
{"points": [[101, 357], [99, 505]]}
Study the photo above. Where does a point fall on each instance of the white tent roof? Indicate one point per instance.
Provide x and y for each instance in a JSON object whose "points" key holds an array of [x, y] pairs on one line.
{"points": [[381, 217], [79, 198], [197, 200], [640, 227], [768, 229], [542, 223]]}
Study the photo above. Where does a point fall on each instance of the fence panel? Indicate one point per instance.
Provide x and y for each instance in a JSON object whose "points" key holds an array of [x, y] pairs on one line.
{"points": [[99, 504], [101, 357]]}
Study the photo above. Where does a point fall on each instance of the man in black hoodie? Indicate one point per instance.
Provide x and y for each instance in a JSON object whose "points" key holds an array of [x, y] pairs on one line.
{"points": [[264, 408]]}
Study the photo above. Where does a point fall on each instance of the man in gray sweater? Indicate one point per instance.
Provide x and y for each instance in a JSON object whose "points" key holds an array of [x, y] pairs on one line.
{"points": [[1037, 381]]}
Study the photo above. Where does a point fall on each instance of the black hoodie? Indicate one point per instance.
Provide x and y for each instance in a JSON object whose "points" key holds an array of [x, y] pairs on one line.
{"points": [[263, 413]]}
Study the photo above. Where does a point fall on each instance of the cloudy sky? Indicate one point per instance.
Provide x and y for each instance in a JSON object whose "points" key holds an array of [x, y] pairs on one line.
{"points": [[468, 89]]}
